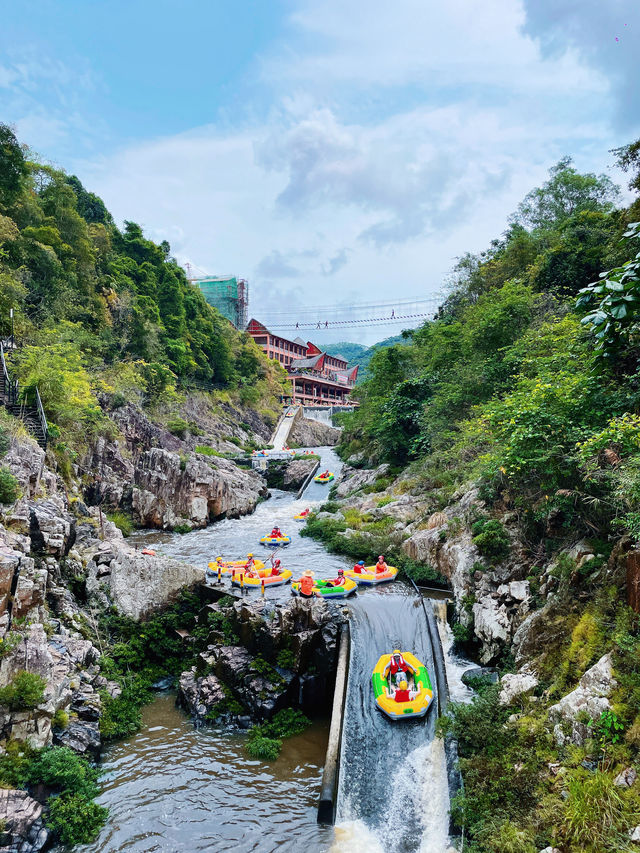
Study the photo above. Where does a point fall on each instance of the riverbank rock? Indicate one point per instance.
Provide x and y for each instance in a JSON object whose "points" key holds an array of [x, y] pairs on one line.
{"points": [[258, 686], [199, 696], [306, 432], [288, 474], [170, 490], [353, 479], [136, 583], [23, 829], [590, 699], [515, 684]]}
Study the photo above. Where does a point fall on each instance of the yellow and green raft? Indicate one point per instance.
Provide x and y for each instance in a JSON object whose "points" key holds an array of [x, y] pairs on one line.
{"points": [[416, 707], [323, 589], [321, 479]]}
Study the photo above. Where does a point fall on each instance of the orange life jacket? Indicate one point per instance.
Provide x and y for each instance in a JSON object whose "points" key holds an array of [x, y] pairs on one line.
{"points": [[306, 585]]}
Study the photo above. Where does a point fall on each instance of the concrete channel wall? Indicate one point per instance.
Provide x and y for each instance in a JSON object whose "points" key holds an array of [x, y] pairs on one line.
{"points": [[329, 788]]}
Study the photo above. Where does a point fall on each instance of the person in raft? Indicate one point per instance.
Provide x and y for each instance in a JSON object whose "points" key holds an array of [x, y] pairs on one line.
{"points": [[403, 694], [305, 511], [339, 581], [275, 533], [249, 565], [398, 667], [381, 566], [275, 567], [359, 567], [326, 474], [306, 583]]}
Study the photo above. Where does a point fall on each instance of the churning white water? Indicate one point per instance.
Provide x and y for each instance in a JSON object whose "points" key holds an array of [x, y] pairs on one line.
{"points": [[417, 787]]}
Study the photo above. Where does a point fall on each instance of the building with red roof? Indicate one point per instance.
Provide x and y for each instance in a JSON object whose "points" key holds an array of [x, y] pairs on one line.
{"points": [[317, 378]]}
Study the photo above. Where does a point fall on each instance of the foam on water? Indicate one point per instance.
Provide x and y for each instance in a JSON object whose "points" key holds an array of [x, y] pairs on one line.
{"points": [[418, 787]]}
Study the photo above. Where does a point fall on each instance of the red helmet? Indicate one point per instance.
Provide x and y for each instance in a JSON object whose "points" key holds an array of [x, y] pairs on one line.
{"points": [[340, 571], [277, 562]]}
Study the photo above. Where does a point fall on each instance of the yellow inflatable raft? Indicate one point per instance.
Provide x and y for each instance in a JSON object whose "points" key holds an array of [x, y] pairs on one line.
{"points": [[229, 566], [275, 541], [420, 690], [369, 577], [302, 516], [258, 577], [322, 479]]}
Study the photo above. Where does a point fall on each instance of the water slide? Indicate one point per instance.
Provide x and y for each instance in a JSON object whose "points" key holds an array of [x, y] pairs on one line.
{"points": [[283, 429], [393, 792]]}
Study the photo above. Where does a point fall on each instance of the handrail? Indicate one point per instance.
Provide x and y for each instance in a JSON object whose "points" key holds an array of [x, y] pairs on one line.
{"points": [[43, 418]]}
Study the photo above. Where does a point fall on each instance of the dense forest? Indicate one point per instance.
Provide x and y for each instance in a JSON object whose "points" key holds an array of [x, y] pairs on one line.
{"points": [[526, 388], [529, 370], [100, 310]]}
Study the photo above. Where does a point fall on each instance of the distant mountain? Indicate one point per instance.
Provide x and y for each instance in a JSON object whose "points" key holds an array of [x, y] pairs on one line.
{"points": [[359, 354]]}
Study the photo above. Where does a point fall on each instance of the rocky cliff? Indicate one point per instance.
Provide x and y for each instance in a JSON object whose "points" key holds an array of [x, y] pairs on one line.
{"points": [[166, 481], [306, 432]]}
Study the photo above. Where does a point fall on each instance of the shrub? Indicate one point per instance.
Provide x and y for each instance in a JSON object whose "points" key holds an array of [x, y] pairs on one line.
{"points": [[286, 723], [25, 691], [122, 521], [178, 426], [265, 741], [76, 820], [286, 659], [182, 528], [207, 451], [60, 719], [4, 441], [63, 770], [121, 717], [9, 490], [490, 538], [595, 814], [264, 748]]}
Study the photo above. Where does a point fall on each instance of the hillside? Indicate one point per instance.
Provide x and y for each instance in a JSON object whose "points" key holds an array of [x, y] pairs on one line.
{"points": [[104, 316], [500, 444]]}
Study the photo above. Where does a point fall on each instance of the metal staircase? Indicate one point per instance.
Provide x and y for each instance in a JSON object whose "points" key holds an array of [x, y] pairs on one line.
{"points": [[26, 405]]}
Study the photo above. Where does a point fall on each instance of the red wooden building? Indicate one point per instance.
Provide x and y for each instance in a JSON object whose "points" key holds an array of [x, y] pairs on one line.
{"points": [[317, 379]]}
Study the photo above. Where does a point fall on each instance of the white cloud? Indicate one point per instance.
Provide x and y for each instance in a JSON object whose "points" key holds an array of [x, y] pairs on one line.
{"points": [[400, 137]]}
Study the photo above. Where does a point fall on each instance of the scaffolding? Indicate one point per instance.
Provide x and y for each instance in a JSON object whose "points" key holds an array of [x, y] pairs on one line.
{"points": [[229, 294]]}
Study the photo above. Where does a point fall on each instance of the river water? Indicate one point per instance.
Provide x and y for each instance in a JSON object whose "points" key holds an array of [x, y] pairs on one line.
{"points": [[174, 788]]}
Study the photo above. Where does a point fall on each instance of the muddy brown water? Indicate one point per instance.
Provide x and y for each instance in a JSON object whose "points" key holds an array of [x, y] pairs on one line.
{"points": [[175, 788]]}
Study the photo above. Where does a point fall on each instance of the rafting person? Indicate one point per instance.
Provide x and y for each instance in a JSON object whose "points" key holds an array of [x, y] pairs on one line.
{"points": [[250, 562], [305, 512], [397, 665], [359, 567], [403, 694], [276, 533], [339, 581], [381, 566], [307, 583], [275, 567]]}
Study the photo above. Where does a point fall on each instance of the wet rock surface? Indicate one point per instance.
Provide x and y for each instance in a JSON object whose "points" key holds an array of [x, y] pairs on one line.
{"points": [[23, 823]]}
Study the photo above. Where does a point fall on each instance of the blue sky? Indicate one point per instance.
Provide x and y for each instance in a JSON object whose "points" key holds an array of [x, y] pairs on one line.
{"points": [[330, 152]]}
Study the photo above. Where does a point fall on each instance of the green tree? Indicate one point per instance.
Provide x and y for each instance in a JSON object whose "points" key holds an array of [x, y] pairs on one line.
{"points": [[566, 193]]}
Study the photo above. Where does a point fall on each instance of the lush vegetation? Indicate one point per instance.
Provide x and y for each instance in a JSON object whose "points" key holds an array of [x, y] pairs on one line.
{"points": [[526, 379], [71, 782], [103, 313], [265, 740]]}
